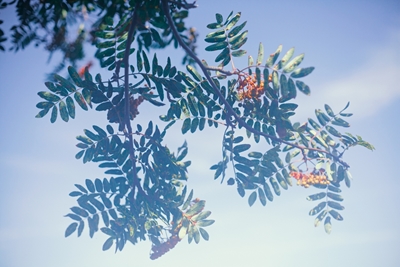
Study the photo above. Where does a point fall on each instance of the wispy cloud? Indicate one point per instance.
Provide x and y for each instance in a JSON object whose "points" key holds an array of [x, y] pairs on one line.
{"points": [[373, 85]]}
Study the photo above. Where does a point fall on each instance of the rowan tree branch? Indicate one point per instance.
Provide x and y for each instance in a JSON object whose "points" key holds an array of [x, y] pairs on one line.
{"points": [[128, 130], [228, 108]]}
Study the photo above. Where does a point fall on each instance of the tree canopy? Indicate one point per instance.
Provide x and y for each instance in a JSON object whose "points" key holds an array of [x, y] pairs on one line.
{"points": [[144, 195]]}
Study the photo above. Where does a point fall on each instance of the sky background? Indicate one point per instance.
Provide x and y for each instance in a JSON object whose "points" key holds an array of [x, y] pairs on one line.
{"points": [[354, 46]]}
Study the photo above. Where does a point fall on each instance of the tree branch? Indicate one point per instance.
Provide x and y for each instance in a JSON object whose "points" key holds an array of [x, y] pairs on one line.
{"points": [[127, 122], [229, 110]]}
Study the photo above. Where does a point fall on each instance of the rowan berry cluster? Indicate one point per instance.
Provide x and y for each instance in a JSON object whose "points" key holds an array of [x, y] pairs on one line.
{"points": [[162, 248], [248, 88], [307, 179]]}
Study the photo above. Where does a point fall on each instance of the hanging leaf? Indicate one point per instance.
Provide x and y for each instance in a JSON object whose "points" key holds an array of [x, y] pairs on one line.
{"points": [[317, 208], [252, 198], [316, 196], [71, 229], [204, 234], [261, 196], [54, 114], [328, 225], [109, 242], [336, 215]]}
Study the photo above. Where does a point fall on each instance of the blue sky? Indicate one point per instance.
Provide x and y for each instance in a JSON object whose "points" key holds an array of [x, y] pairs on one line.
{"points": [[354, 46]]}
